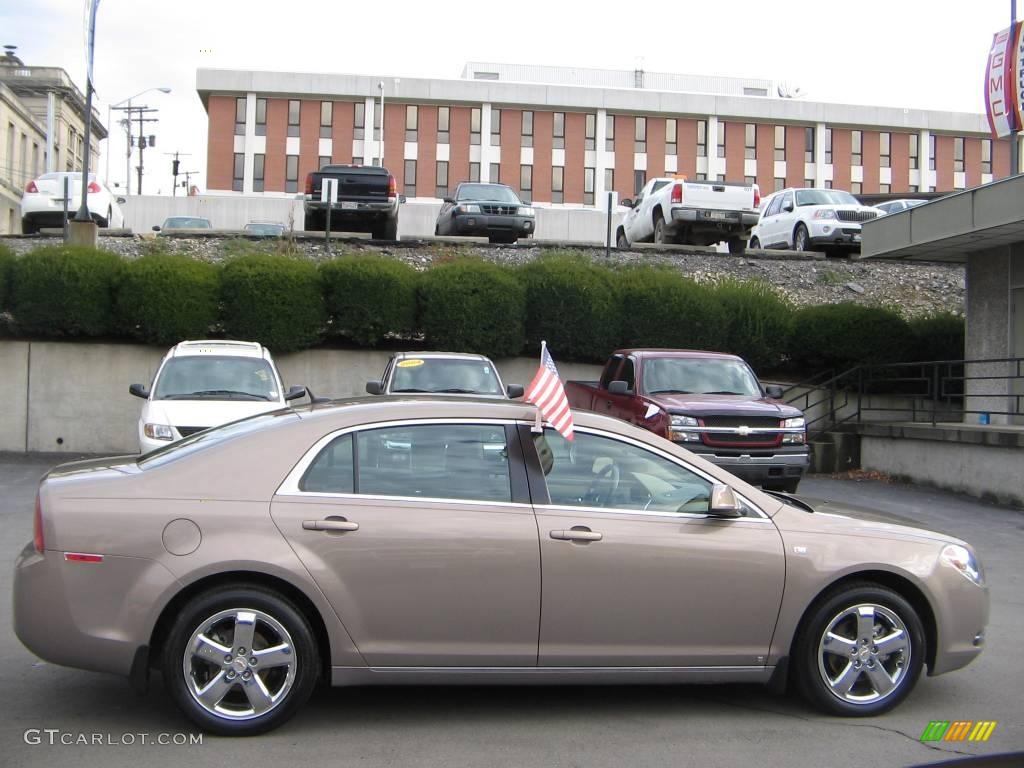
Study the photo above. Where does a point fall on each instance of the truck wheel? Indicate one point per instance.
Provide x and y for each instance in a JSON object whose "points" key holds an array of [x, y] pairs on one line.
{"points": [[620, 240], [736, 245], [800, 238], [314, 222], [660, 235], [387, 231], [28, 227]]}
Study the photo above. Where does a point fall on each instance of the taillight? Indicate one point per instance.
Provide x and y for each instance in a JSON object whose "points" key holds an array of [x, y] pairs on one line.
{"points": [[677, 193], [94, 187], [757, 196], [309, 183], [37, 527], [392, 186], [31, 187]]}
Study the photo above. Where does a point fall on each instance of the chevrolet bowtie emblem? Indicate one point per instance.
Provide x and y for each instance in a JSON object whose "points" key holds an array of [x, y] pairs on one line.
{"points": [[744, 430]]}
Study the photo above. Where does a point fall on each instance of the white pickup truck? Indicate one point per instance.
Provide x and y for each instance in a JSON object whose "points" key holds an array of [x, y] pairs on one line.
{"points": [[674, 210]]}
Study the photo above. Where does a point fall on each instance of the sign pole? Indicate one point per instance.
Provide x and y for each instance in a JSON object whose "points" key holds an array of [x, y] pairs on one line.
{"points": [[1014, 144]]}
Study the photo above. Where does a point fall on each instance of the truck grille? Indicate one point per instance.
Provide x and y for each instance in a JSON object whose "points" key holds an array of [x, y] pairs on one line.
{"points": [[723, 439], [499, 210], [186, 431], [856, 215]]}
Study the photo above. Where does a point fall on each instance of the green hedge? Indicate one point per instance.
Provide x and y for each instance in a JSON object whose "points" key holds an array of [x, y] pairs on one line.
{"points": [[841, 336], [58, 291], [470, 305], [937, 336], [6, 262], [369, 297], [166, 298], [756, 322], [658, 307], [571, 303], [274, 299]]}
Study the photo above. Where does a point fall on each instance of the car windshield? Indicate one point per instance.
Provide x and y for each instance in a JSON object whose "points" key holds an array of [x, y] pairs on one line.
{"points": [[703, 376], [824, 197], [210, 437], [186, 222], [497, 193], [210, 377], [445, 374], [274, 230]]}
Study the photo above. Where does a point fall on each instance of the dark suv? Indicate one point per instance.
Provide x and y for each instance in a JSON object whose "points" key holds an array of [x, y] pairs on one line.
{"points": [[493, 211]]}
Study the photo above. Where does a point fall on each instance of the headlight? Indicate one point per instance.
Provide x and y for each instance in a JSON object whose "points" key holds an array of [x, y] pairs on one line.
{"points": [[467, 208], [677, 427], [684, 421], [794, 438], [964, 561], [158, 431], [825, 213], [796, 421], [524, 211]]}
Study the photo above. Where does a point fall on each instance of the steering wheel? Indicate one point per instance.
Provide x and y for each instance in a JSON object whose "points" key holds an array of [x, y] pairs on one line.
{"points": [[603, 486]]}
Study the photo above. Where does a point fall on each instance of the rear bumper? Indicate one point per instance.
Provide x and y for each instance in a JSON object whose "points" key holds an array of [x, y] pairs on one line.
{"points": [[55, 219], [484, 225], [342, 210], [714, 217]]}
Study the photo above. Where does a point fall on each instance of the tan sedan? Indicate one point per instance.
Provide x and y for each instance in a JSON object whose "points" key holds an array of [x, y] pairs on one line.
{"points": [[405, 540]]}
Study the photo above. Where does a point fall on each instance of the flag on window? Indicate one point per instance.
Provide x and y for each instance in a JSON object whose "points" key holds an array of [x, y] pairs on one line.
{"points": [[547, 393]]}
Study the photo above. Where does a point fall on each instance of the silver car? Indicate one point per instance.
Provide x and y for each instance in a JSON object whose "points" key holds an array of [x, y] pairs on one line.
{"points": [[403, 540]]}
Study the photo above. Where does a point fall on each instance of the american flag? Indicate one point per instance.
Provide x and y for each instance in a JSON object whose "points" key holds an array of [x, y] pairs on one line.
{"points": [[547, 393]]}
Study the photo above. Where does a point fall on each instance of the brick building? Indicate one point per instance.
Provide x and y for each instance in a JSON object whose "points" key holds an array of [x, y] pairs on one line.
{"points": [[566, 136]]}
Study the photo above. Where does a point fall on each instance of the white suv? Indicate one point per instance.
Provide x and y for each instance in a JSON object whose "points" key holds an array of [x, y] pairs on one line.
{"points": [[811, 219], [201, 384]]}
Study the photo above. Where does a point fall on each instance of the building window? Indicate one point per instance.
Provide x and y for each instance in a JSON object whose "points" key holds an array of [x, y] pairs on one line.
{"points": [[721, 140], [474, 125], [609, 179], [640, 134], [639, 180], [412, 122], [239, 172], [525, 179], [443, 125], [442, 179], [883, 189], [474, 172], [261, 117], [609, 133], [588, 186], [291, 176], [671, 147], [357, 161], [495, 127], [495, 173], [931, 151], [702, 138], [808, 182], [378, 111], [720, 177], [526, 131], [750, 180], [828, 183], [958, 154], [557, 184], [326, 118], [359, 121], [931, 189], [558, 133], [780, 142], [856, 148], [986, 155], [240, 116], [410, 178], [913, 150], [885, 150], [294, 112], [258, 163], [855, 187], [809, 136], [828, 146], [750, 141], [780, 184], [913, 188], [322, 160], [702, 177], [590, 142]]}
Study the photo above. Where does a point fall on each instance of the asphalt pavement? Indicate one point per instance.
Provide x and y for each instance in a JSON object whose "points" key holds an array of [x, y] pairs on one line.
{"points": [[54, 716]]}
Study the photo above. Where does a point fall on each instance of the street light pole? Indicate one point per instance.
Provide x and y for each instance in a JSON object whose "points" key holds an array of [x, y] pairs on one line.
{"points": [[380, 141], [1014, 141], [83, 208]]}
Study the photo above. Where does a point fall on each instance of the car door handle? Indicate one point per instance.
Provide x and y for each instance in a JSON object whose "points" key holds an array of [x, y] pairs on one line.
{"points": [[577, 534], [330, 524]]}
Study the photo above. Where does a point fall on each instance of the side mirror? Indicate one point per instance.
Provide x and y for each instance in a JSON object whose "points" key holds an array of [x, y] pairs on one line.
{"points": [[449, 200], [724, 502], [156, 228], [774, 391], [525, 202], [787, 207], [514, 390], [294, 393], [627, 203], [401, 198], [374, 387], [139, 390], [619, 387], [121, 200]]}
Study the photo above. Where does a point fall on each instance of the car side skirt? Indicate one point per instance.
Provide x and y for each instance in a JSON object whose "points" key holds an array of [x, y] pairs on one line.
{"points": [[352, 676]]}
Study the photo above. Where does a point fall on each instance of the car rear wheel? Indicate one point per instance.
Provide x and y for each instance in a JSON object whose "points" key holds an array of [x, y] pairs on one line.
{"points": [[754, 243], [860, 651], [314, 222], [800, 239], [660, 236], [240, 660]]}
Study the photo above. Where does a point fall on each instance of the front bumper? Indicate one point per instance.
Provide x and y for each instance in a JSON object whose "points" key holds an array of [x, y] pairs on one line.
{"points": [[756, 467], [485, 225], [835, 234]]}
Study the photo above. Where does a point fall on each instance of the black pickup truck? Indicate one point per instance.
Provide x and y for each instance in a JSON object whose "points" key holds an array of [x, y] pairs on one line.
{"points": [[367, 201]]}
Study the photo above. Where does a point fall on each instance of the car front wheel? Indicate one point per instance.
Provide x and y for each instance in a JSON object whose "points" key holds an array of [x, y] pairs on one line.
{"points": [[860, 652], [240, 661], [800, 238]]}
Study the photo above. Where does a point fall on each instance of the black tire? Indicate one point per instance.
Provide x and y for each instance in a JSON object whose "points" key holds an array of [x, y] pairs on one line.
{"points": [[314, 222], [737, 245], [28, 227], [837, 613], [620, 240], [660, 235], [755, 244], [800, 238], [110, 216], [201, 615], [386, 231]]}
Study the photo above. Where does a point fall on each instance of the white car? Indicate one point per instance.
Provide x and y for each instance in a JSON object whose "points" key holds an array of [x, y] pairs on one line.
{"points": [[810, 220], [895, 206], [202, 384], [42, 204]]}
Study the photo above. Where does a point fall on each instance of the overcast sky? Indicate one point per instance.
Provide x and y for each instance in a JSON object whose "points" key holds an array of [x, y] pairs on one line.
{"points": [[910, 53]]}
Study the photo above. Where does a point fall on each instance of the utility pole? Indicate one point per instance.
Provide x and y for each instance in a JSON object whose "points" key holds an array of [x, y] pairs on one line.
{"points": [[130, 112], [188, 179], [175, 165]]}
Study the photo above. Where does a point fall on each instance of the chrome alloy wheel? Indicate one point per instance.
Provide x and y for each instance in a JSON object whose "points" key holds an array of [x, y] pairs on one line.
{"points": [[239, 664], [864, 654]]}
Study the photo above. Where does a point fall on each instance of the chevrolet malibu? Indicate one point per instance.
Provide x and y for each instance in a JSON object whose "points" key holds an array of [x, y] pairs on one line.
{"points": [[403, 540]]}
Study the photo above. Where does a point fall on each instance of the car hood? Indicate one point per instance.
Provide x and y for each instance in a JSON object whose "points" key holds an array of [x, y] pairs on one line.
{"points": [[729, 405], [204, 413]]}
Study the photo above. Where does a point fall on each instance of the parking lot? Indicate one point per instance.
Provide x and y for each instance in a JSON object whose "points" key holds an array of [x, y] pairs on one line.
{"points": [[494, 726]]}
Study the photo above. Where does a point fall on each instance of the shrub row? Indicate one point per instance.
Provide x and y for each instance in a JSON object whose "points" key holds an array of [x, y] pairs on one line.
{"points": [[583, 310]]}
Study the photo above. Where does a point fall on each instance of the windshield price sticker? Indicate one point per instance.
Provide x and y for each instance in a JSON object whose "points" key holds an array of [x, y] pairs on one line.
{"points": [[410, 363]]}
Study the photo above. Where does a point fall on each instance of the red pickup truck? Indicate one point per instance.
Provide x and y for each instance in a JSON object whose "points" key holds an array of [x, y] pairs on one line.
{"points": [[710, 403]]}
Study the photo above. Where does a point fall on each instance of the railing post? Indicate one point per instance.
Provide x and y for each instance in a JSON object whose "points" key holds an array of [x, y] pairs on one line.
{"points": [[935, 389], [860, 391]]}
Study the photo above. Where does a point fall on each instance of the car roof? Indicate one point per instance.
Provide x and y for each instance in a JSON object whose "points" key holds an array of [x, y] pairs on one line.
{"points": [[221, 347], [697, 354], [440, 355]]}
